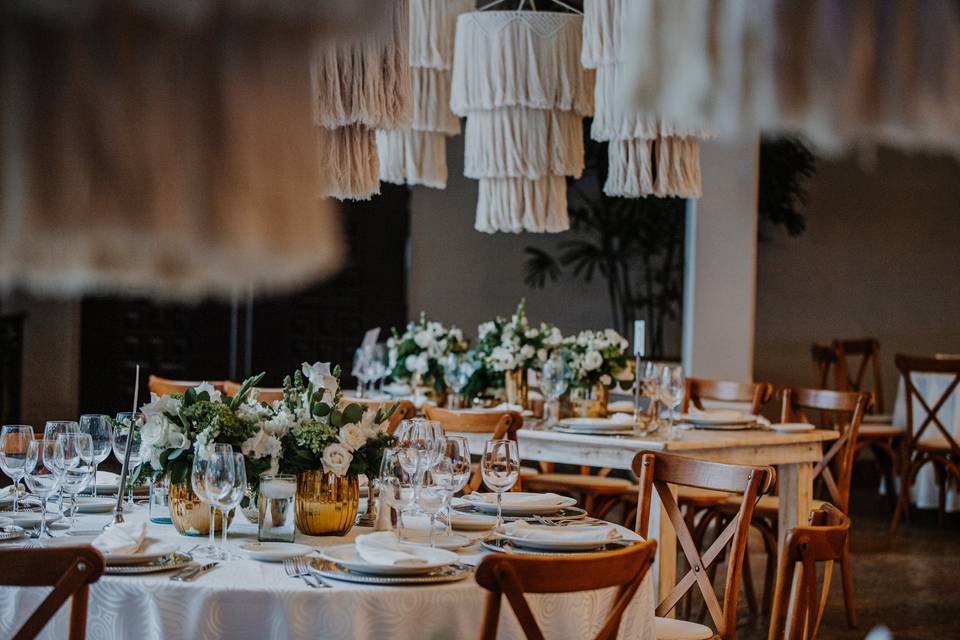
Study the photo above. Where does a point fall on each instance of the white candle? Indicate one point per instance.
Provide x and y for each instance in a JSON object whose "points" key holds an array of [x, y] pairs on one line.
{"points": [[639, 338]]}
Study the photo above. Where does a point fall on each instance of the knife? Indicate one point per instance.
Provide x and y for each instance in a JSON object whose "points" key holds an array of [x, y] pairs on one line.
{"points": [[196, 573]]}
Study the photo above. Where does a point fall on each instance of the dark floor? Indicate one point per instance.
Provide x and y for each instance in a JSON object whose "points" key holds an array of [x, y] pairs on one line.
{"points": [[909, 582]]}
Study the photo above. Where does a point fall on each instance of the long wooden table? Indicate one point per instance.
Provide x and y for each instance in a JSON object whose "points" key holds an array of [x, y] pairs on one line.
{"points": [[793, 454]]}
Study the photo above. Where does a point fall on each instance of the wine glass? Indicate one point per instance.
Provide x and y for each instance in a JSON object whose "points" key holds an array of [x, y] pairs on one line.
{"points": [[99, 429], [74, 460], [360, 369], [127, 434], [457, 452], [500, 468], [421, 446], [554, 381], [234, 496], [51, 431], [435, 495], [220, 480], [648, 384], [395, 484], [377, 365], [671, 389], [14, 440], [198, 470], [41, 478], [457, 369]]}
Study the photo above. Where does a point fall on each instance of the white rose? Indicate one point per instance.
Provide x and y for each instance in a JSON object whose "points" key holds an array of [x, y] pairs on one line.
{"points": [[456, 334], [320, 377], [531, 333], [160, 405], [527, 351], [261, 445], [542, 355], [423, 339], [592, 360], [352, 436], [485, 329], [154, 431], [213, 393], [177, 440], [368, 425], [337, 459], [605, 380]]}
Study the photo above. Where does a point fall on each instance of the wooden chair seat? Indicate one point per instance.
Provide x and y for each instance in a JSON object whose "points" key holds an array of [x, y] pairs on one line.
{"points": [[579, 482], [934, 444], [878, 418], [768, 507], [674, 629], [880, 431]]}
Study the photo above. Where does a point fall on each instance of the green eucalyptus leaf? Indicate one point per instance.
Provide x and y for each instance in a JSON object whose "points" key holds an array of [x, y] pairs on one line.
{"points": [[352, 413], [336, 418], [322, 410]]}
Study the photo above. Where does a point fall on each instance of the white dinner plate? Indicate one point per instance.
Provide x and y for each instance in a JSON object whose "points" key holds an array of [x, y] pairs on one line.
{"points": [[86, 504], [557, 545], [151, 549], [489, 504], [596, 424], [29, 519], [470, 521], [792, 427], [346, 556], [274, 551], [594, 432], [440, 541], [718, 418]]}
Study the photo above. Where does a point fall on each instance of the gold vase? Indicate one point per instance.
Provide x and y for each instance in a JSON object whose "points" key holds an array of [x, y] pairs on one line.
{"points": [[326, 504], [515, 382], [190, 515], [589, 402]]}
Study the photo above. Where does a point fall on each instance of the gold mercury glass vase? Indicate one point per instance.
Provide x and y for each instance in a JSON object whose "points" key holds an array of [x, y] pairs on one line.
{"points": [[326, 504], [191, 515], [589, 402], [515, 382]]}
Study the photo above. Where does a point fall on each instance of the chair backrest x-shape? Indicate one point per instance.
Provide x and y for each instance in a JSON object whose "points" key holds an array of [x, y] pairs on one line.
{"points": [[908, 365]]}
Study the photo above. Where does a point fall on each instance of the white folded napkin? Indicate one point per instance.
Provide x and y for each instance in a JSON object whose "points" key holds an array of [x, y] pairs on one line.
{"points": [[519, 500], [568, 533], [107, 478], [621, 418], [620, 406], [719, 415], [121, 538], [398, 389], [382, 548], [506, 406]]}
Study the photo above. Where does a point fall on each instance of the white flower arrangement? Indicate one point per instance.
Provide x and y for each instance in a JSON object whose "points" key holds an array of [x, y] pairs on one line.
{"points": [[417, 353], [598, 357], [514, 344]]}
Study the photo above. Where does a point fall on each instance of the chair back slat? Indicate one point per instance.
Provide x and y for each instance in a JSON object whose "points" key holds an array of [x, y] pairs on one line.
{"points": [[501, 425], [696, 390], [264, 394], [824, 358], [841, 411], [514, 575], [822, 541], [907, 365], [660, 470], [165, 386], [404, 411], [69, 570], [868, 350]]}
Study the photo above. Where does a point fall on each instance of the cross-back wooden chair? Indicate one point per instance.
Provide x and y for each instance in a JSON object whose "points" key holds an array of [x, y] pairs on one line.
{"points": [[264, 394], [843, 412], [868, 351], [405, 409], [660, 471], [821, 541], [165, 386], [824, 358], [501, 425], [930, 441], [69, 570], [513, 576]]}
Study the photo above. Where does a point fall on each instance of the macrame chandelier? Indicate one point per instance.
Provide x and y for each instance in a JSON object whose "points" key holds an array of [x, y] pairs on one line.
{"points": [[164, 148], [836, 72], [517, 78], [360, 86], [647, 155], [418, 154]]}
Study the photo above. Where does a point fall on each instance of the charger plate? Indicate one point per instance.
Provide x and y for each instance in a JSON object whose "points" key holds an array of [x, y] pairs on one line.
{"points": [[566, 513], [332, 571], [502, 545], [166, 563]]}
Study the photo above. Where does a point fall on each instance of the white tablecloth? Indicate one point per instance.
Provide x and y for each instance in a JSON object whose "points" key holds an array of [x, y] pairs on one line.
{"points": [[931, 386], [247, 599]]}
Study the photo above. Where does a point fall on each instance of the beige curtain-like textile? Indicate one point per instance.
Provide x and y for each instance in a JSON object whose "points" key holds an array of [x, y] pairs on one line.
{"points": [[163, 147], [838, 72]]}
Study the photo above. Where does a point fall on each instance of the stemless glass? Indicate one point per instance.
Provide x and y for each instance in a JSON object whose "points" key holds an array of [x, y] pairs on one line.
{"points": [[220, 479], [457, 452], [98, 427], [127, 434], [41, 478], [500, 468], [74, 460], [14, 441], [554, 381], [395, 484], [671, 390]]}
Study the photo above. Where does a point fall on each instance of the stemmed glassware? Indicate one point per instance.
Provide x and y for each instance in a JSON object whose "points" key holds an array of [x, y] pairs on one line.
{"points": [[395, 484], [435, 495], [500, 468], [377, 366], [14, 442], [74, 460], [198, 482], [421, 445], [457, 453], [51, 431], [457, 369], [648, 382], [99, 429], [226, 482], [671, 390], [361, 368], [126, 434], [41, 476], [554, 381]]}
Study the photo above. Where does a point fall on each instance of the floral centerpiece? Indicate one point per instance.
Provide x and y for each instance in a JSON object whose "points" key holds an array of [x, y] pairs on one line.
{"points": [[598, 360], [509, 348], [328, 444], [178, 425], [416, 355]]}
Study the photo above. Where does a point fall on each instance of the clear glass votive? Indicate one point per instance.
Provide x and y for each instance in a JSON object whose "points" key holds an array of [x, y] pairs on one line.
{"points": [[160, 501], [276, 521]]}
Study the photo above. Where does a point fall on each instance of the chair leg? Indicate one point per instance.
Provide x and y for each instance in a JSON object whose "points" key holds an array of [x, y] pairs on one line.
{"points": [[848, 597], [78, 614], [903, 499], [748, 587], [769, 536], [940, 475]]}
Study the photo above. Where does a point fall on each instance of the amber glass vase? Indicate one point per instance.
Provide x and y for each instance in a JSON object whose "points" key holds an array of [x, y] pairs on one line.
{"points": [[326, 504], [589, 402], [190, 514], [515, 383]]}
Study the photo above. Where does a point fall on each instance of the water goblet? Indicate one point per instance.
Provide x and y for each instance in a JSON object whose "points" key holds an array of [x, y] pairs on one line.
{"points": [[220, 480], [435, 495], [554, 381], [457, 369], [198, 471], [500, 468], [14, 441], [98, 427], [55, 428], [41, 477], [395, 484], [457, 452], [671, 391], [233, 498], [74, 460]]}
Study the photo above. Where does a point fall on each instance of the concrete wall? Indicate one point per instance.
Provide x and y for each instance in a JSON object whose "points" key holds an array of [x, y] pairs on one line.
{"points": [[880, 257]]}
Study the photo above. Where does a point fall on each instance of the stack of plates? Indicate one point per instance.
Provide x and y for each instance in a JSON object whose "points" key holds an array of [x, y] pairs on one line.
{"points": [[720, 419], [274, 551], [520, 506], [343, 562], [535, 539], [597, 426]]}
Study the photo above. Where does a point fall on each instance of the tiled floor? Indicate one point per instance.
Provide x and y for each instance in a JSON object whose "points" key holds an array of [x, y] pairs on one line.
{"points": [[909, 582]]}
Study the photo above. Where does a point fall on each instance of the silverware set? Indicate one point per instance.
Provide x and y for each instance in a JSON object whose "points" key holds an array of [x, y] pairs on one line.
{"points": [[298, 568], [193, 572]]}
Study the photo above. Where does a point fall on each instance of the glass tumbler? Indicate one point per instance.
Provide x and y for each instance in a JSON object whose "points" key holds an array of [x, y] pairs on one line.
{"points": [[276, 521]]}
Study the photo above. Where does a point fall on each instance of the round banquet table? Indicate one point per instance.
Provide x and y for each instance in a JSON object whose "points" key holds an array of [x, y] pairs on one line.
{"points": [[250, 599]]}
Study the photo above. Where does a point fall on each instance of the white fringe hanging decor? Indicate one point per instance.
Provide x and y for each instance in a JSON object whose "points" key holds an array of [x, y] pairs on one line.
{"points": [[647, 155], [417, 154], [518, 80], [360, 86]]}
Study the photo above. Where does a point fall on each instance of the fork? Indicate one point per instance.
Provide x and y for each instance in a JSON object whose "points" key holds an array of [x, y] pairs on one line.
{"points": [[296, 568], [301, 564]]}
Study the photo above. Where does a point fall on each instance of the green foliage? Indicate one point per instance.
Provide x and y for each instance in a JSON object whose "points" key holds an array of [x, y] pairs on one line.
{"points": [[785, 167]]}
